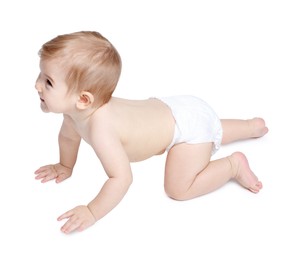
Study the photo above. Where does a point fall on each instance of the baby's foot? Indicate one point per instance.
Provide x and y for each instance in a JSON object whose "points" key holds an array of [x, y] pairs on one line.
{"points": [[242, 172], [258, 127]]}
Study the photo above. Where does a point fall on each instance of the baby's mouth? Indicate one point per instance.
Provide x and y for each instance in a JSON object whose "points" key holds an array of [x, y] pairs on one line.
{"points": [[42, 100]]}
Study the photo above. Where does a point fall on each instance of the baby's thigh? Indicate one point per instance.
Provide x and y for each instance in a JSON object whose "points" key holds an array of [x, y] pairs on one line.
{"points": [[185, 161]]}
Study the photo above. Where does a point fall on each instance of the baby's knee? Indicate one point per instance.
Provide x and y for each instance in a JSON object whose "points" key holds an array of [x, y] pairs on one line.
{"points": [[175, 193]]}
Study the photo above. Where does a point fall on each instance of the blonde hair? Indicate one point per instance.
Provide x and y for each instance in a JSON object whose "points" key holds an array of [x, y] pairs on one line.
{"points": [[91, 63]]}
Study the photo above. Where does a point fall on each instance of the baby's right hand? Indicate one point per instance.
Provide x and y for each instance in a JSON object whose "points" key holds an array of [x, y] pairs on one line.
{"points": [[53, 171]]}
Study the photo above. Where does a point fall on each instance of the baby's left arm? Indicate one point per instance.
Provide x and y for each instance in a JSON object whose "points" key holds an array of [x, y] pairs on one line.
{"points": [[117, 166]]}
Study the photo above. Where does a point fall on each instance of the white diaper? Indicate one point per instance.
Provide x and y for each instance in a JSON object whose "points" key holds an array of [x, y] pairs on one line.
{"points": [[196, 121]]}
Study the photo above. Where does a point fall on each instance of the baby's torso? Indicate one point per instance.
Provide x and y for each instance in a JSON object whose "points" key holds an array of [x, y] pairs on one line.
{"points": [[144, 127]]}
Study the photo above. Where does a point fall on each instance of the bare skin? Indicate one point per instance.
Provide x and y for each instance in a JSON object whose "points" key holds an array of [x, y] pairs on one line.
{"points": [[124, 131]]}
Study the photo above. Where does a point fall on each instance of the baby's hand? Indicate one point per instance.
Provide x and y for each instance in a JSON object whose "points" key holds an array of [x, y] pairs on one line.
{"points": [[53, 171], [79, 219]]}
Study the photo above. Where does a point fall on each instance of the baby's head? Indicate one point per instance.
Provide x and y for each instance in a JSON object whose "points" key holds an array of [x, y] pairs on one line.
{"points": [[91, 63]]}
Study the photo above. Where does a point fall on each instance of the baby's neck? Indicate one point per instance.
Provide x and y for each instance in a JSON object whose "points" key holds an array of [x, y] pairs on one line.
{"points": [[82, 116]]}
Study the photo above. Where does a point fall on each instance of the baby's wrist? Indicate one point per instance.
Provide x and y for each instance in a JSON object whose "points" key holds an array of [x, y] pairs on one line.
{"points": [[66, 166], [89, 208]]}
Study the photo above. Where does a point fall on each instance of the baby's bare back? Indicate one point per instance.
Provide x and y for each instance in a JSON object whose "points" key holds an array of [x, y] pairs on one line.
{"points": [[146, 127]]}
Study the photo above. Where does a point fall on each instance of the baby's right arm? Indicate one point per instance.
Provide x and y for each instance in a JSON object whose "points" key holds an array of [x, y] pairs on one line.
{"points": [[69, 142]]}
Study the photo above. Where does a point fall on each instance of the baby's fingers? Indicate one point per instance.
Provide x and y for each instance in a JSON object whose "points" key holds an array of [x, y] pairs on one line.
{"points": [[68, 214], [46, 174], [72, 224], [79, 219], [43, 168]]}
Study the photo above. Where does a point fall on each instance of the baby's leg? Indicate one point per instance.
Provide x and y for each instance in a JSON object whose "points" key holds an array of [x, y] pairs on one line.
{"points": [[236, 129], [190, 173]]}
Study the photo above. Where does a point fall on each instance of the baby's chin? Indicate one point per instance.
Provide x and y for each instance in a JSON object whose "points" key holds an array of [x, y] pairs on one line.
{"points": [[44, 108]]}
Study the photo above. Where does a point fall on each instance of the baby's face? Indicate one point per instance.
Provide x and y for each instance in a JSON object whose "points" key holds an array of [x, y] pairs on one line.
{"points": [[52, 88]]}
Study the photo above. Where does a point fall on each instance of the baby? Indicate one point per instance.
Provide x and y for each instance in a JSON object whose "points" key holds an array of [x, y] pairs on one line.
{"points": [[78, 74]]}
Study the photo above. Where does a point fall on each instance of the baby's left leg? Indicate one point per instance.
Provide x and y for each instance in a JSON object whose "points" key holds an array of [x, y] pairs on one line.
{"points": [[189, 172]]}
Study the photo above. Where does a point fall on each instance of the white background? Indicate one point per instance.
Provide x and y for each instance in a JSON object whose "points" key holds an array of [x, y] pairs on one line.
{"points": [[242, 57]]}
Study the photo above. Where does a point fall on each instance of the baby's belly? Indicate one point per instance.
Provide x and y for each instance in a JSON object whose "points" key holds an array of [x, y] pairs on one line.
{"points": [[148, 143], [142, 151]]}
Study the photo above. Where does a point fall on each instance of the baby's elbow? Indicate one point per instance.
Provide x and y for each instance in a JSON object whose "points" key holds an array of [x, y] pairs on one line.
{"points": [[129, 180], [122, 182], [126, 181]]}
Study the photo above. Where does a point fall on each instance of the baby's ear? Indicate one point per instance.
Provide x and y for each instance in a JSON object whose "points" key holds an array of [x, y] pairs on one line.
{"points": [[85, 100]]}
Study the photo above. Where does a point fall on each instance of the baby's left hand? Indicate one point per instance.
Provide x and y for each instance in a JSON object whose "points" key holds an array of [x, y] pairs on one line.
{"points": [[79, 219]]}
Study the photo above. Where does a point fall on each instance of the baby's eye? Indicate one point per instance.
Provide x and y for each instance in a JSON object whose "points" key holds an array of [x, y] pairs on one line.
{"points": [[48, 82]]}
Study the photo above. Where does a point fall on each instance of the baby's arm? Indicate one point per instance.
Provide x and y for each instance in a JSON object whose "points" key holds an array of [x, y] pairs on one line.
{"points": [[117, 167], [69, 142]]}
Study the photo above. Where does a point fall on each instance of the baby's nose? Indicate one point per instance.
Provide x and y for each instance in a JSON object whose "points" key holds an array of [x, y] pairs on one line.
{"points": [[38, 87]]}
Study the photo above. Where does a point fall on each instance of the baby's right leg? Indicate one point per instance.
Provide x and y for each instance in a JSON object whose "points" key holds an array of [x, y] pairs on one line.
{"points": [[189, 172], [237, 129]]}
